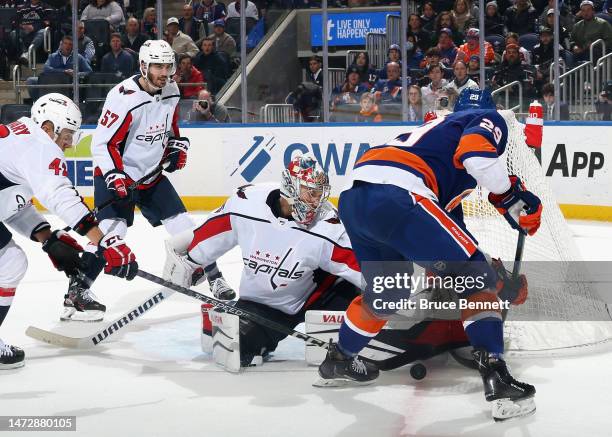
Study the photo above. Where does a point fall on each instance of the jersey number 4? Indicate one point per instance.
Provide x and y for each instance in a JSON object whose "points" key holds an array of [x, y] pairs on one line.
{"points": [[59, 167], [109, 118]]}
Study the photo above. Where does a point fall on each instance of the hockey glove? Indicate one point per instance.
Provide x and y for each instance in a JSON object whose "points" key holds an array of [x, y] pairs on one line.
{"points": [[513, 290], [64, 252], [120, 261], [118, 183], [175, 155], [516, 200]]}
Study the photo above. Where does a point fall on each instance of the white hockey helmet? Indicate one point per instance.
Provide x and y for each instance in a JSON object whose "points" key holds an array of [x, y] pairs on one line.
{"points": [[305, 186], [59, 110], [155, 51]]}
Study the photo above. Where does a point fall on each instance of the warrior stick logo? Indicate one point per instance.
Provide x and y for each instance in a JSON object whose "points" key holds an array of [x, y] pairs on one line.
{"points": [[128, 318]]}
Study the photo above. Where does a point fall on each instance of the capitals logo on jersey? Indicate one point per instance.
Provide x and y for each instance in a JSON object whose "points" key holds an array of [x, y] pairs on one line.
{"points": [[267, 264]]}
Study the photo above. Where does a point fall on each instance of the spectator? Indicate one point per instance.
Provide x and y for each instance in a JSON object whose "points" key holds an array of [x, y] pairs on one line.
{"points": [[525, 55], [414, 55], [461, 80], [233, 10], [445, 20], [209, 11], [349, 91], [566, 18], [472, 47], [446, 46], [306, 101], [223, 41], [431, 92], [393, 55], [133, 39], [206, 110], [603, 105], [548, 94], [315, 72], [86, 45], [543, 55], [215, 68], [511, 69], [473, 68], [587, 30], [118, 60], [494, 23], [432, 57], [367, 75], [521, 18], [187, 73], [465, 15], [190, 25], [369, 110], [564, 36], [107, 10], [180, 42], [428, 18], [415, 28], [31, 21], [415, 103], [389, 90], [149, 23], [60, 62]]}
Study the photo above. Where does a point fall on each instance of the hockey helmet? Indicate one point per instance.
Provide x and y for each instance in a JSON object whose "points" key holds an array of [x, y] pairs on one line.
{"points": [[305, 186], [59, 110], [155, 52], [474, 98]]}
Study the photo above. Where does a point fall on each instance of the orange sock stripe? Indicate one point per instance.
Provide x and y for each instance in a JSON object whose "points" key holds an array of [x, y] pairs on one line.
{"points": [[480, 296], [361, 318]]}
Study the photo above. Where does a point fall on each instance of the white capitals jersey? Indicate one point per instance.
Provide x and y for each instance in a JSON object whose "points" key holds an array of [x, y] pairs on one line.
{"points": [[30, 160], [134, 128], [279, 256]]}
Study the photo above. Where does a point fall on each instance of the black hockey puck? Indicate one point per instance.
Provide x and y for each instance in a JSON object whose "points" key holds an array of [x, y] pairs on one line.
{"points": [[418, 371]]}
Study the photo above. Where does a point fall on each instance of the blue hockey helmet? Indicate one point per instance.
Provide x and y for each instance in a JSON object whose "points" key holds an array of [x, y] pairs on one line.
{"points": [[474, 98]]}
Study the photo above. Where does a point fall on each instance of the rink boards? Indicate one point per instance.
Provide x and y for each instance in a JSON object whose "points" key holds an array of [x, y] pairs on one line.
{"points": [[576, 160]]}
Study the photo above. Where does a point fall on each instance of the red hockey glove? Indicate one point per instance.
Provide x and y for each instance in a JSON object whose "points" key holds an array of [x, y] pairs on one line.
{"points": [[513, 290], [120, 261], [118, 183], [64, 252], [516, 200], [175, 154]]}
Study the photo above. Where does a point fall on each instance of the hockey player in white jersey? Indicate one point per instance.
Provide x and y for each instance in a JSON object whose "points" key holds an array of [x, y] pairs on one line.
{"points": [[32, 164], [295, 251], [137, 132]]}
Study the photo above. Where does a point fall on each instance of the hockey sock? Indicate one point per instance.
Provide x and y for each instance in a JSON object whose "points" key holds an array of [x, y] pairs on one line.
{"points": [[6, 298], [212, 272], [484, 328], [350, 342], [358, 328], [95, 264]]}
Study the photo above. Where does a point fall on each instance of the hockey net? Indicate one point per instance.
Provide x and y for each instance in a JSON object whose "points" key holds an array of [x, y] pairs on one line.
{"points": [[573, 317]]}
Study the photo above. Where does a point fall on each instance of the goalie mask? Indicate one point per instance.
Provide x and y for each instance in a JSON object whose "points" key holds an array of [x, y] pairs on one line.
{"points": [[155, 52], [306, 187]]}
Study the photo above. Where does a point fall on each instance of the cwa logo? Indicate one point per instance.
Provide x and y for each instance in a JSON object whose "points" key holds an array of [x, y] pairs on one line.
{"points": [[336, 159]]}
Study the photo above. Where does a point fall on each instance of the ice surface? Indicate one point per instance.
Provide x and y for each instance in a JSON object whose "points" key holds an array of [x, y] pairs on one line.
{"points": [[153, 379]]}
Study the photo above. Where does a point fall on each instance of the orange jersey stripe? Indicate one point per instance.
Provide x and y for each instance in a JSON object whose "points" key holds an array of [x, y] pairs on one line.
{"points": [[394, 155], [360, 317], [471, 143], [453, 229]]}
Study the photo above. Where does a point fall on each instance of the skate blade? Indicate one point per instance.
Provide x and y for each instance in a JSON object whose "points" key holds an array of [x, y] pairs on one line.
{"points": [[505, 409], [12, 366], [322, 382], [72, 315]]}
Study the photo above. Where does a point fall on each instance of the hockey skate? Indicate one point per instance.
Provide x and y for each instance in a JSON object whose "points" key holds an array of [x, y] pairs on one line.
{"points": [[81, 305], [221, 289], [11, 357], [338, 370], [510, 398]]}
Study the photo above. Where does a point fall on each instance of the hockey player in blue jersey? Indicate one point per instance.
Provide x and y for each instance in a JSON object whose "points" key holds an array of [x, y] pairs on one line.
{"points": [[404, 204]]}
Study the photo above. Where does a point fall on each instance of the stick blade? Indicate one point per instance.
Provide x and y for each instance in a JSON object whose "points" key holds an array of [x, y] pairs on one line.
{"points": [[57, 339]]}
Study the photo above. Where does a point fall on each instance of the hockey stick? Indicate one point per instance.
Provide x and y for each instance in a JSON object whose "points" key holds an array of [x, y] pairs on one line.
{"points": [[103, 334]]}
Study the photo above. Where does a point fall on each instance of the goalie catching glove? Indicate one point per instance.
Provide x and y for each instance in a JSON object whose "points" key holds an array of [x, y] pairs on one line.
{"points": [[517, 199], [175, 155], [64, 252], [120, 261]]}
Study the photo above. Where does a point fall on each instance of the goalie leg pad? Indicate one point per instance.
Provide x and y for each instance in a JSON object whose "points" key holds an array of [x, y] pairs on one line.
{"points": [[226, 340], [177, 268]]}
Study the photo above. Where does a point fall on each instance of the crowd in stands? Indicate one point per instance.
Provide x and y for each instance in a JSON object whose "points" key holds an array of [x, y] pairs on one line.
{"points": [[443, 55]]}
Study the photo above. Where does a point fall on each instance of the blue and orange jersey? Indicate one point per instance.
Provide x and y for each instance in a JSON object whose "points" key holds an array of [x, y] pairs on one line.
{"points": [[435, 153]]}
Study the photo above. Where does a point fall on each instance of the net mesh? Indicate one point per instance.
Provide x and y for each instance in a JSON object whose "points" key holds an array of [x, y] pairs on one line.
{"points": [[552, 242]]}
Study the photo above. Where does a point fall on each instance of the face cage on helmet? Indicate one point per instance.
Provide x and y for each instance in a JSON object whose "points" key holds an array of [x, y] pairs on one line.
{"points": [[302, 212]]}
